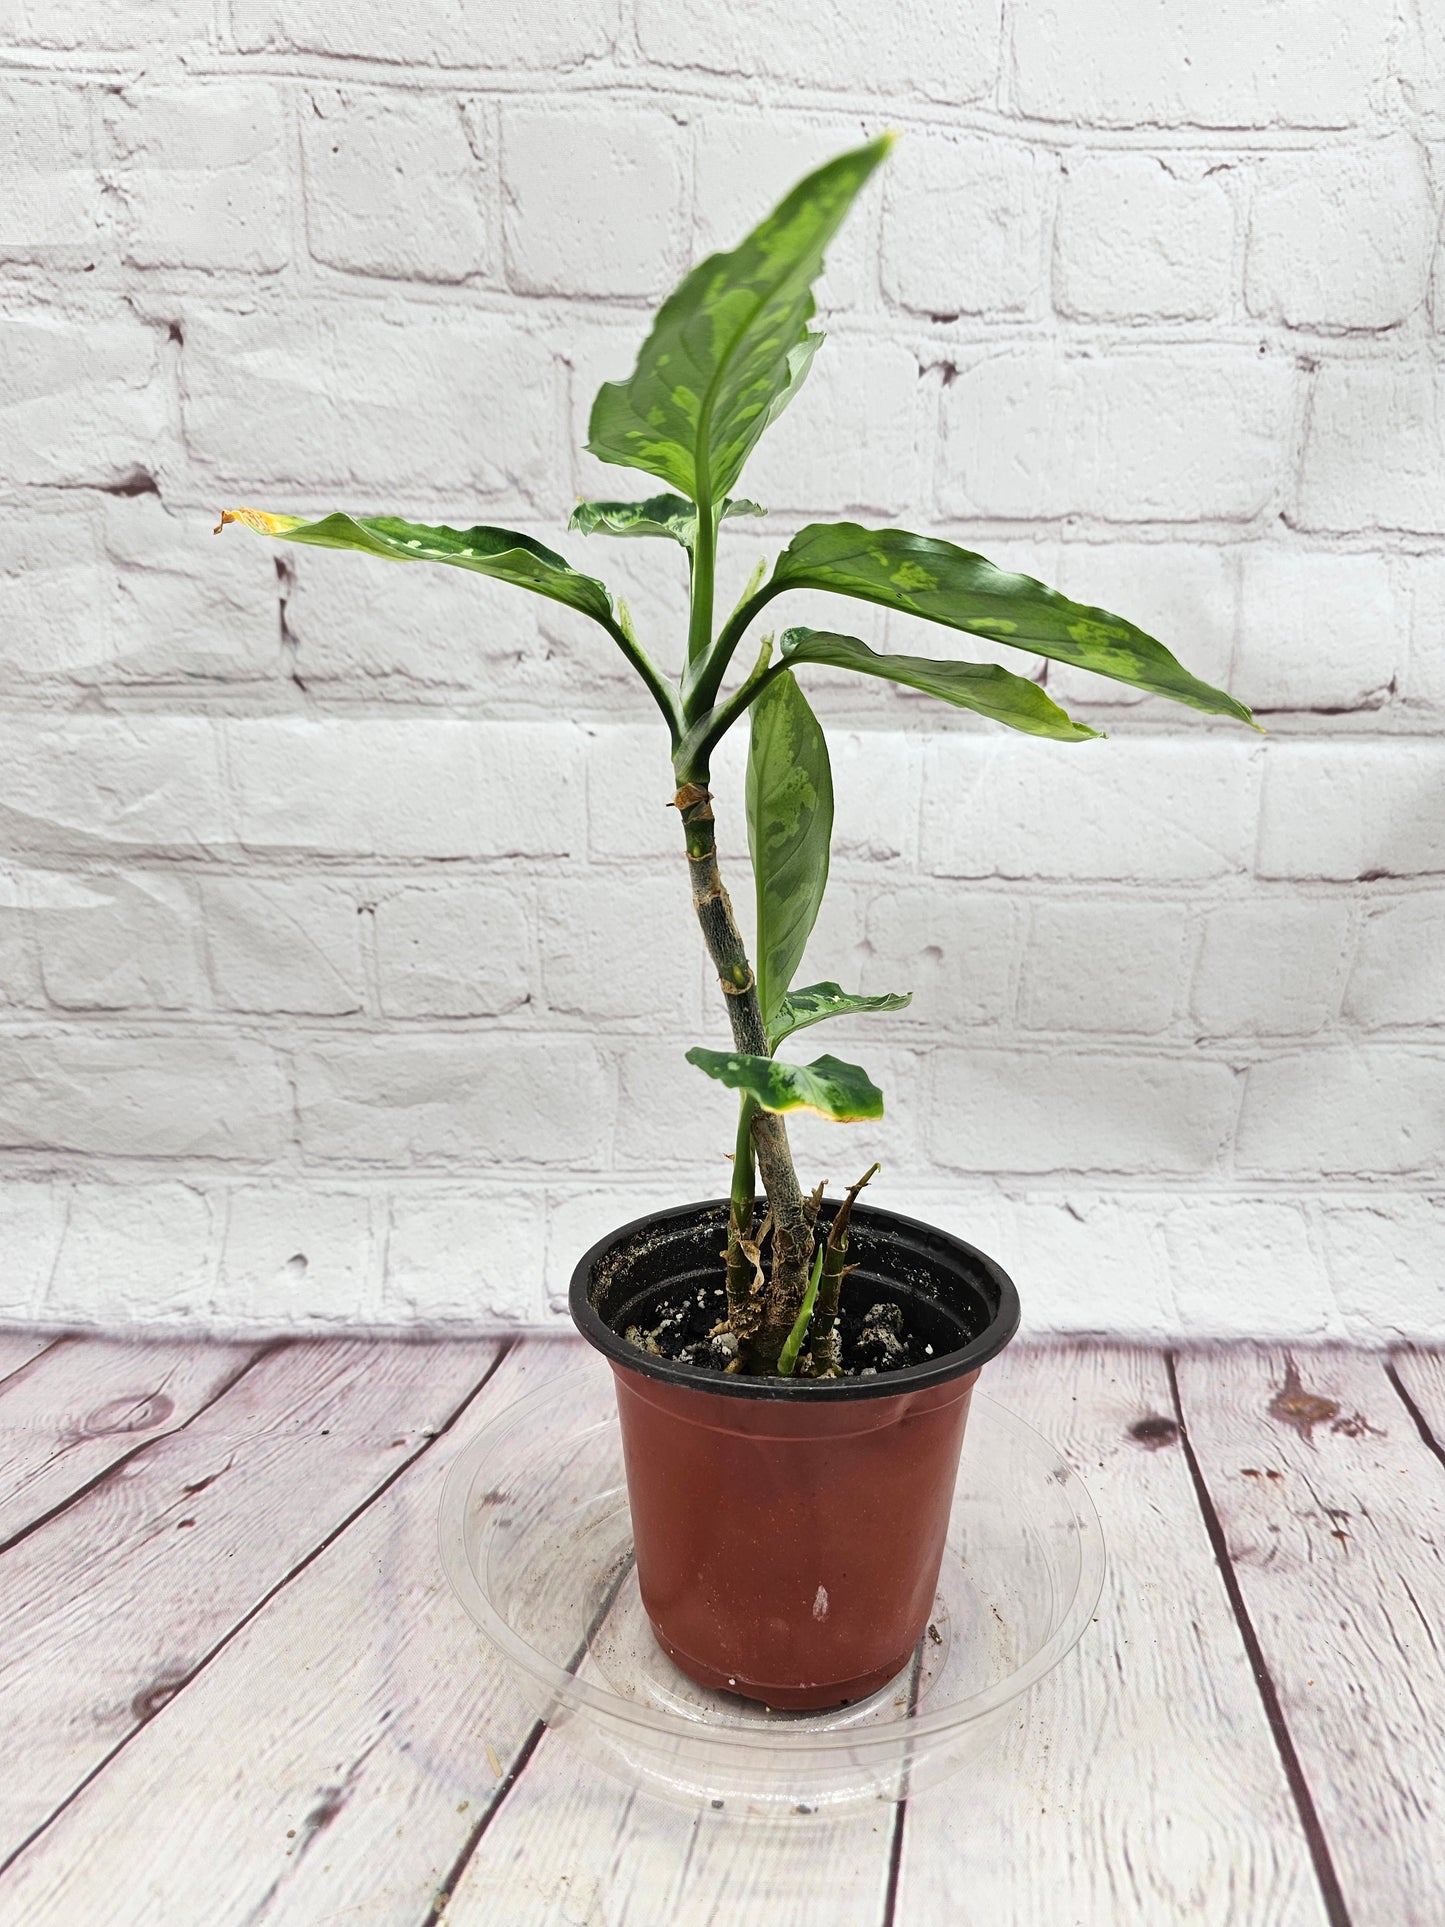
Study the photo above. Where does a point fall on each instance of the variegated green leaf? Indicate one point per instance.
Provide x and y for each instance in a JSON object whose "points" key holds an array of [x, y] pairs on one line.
{"points": [[827, 1085], [812, 1005], [790, 827], [501, 553], [980, 686], [941, 583], [669, 515], [731, 344]]}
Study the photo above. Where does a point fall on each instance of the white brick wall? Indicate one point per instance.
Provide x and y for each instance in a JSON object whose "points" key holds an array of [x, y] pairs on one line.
{"points": [[345, 959]]}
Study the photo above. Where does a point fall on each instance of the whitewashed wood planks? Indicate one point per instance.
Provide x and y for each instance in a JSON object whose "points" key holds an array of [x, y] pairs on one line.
{"points": [[85, 1403], [331, 1764], [1143, 1785], [18, 1348], [1334, 1513], [1423, 1376], [111, 1606]]}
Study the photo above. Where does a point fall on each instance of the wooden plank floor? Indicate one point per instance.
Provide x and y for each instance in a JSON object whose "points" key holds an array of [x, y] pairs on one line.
{"points": [[235, 1690]]}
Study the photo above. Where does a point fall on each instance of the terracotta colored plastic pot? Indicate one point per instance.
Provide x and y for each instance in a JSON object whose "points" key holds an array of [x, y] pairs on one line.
{"points": [[789, 1533]]}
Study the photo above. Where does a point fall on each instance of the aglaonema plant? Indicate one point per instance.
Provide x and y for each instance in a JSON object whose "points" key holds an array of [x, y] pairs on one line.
{"points": [[729, 349]]}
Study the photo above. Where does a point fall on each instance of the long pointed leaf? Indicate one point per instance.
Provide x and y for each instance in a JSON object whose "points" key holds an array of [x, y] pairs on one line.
{"points": [[731, 344], [981, 686], [817, 1002], [828, 1086], [501, 553], [668, 515], [941, 583], [790, 828]]}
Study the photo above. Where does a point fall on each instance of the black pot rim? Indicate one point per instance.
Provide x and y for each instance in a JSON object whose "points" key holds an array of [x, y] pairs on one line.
{"points": [[911, 1378]]}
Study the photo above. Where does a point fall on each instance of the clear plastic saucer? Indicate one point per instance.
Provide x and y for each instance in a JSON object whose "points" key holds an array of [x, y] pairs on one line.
{"points": [[536, 1539]]}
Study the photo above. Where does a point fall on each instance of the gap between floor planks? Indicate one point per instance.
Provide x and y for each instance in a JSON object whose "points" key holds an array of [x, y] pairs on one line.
{"points": [[646, 1856]]}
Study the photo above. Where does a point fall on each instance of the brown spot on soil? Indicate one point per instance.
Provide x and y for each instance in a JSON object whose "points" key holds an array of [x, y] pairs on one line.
{"points": [[1154, 1432], [1302, 1411]]}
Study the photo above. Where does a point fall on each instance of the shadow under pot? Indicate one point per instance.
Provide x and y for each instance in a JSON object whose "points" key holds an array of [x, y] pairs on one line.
{"points": [[789, 1532]]}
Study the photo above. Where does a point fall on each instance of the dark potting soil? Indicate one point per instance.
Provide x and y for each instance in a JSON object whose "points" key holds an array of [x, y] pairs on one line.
{"points": [[682, 1323]]}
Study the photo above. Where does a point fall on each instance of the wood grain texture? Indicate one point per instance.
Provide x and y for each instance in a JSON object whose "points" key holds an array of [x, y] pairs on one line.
{"points": [[1422, 1374], [84, 1404], [110, 1608], [17, 1349], [1333, 1510], [1141, 1784], [333, 1763]]}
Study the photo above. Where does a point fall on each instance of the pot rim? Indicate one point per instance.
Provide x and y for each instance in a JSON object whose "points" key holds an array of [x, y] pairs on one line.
{"points": [[911, 1378]]}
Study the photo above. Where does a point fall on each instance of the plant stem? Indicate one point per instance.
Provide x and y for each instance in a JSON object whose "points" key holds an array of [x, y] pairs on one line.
{"points": [[742, 1276], [704, 557], [792, 1247], [827, 1358]]}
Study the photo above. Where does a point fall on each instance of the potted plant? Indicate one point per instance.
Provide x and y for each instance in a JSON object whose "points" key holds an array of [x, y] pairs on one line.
{"points": [[793, 1374]]}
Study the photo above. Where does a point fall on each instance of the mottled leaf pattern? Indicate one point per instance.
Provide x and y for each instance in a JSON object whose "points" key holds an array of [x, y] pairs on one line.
{"points": [[790, 828], [980, 686], [828, 1086], [668, 515], [501, 553], [730, 345], [813, 1004], [941, 583]]}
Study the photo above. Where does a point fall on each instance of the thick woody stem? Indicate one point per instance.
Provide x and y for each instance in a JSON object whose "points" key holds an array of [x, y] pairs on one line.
{"points": [[792, 1248]]}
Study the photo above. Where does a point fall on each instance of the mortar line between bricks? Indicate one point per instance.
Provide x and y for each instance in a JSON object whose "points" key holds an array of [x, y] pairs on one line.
{"points": [[259, 1607]]}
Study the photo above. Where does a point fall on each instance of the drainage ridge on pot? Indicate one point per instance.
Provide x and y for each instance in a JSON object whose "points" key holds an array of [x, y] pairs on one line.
{"points": [[789, 1533]]}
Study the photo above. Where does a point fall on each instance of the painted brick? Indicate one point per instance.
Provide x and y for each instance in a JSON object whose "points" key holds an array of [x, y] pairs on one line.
{"points": [[1181, 436], [1341, 239], [114, 942], [545, 37], [32, 1219], [619, 946], [581, 1214], [143, 1097], [592, 203], [138, 1254], [630, 787], [397, 186], [1182, 593], [1247, 1267], [460, 949], [1142, 237], [81, 403], [1370, 1110], [1271, 966], [1386, 1258], [432, 629], [202, 178], [19, 971], [1115, 967], [50, 200], [392, 404], [1351, 810], [461, 1099], [294, 1258], [1374, 455], [75, 26], [947, 53], [407, 788], [1061, 1110], [1399, 970], [282, 946], [1423, 588], [1304, 63], [465, 1263], [94, 785], [963, 226], [854, 440], [1137, 809], [743, 165], [954, 949], [1317, 631], [57, 593]]}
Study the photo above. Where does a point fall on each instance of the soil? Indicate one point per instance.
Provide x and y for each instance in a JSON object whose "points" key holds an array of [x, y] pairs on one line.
{"points": [[873, 1339]]}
